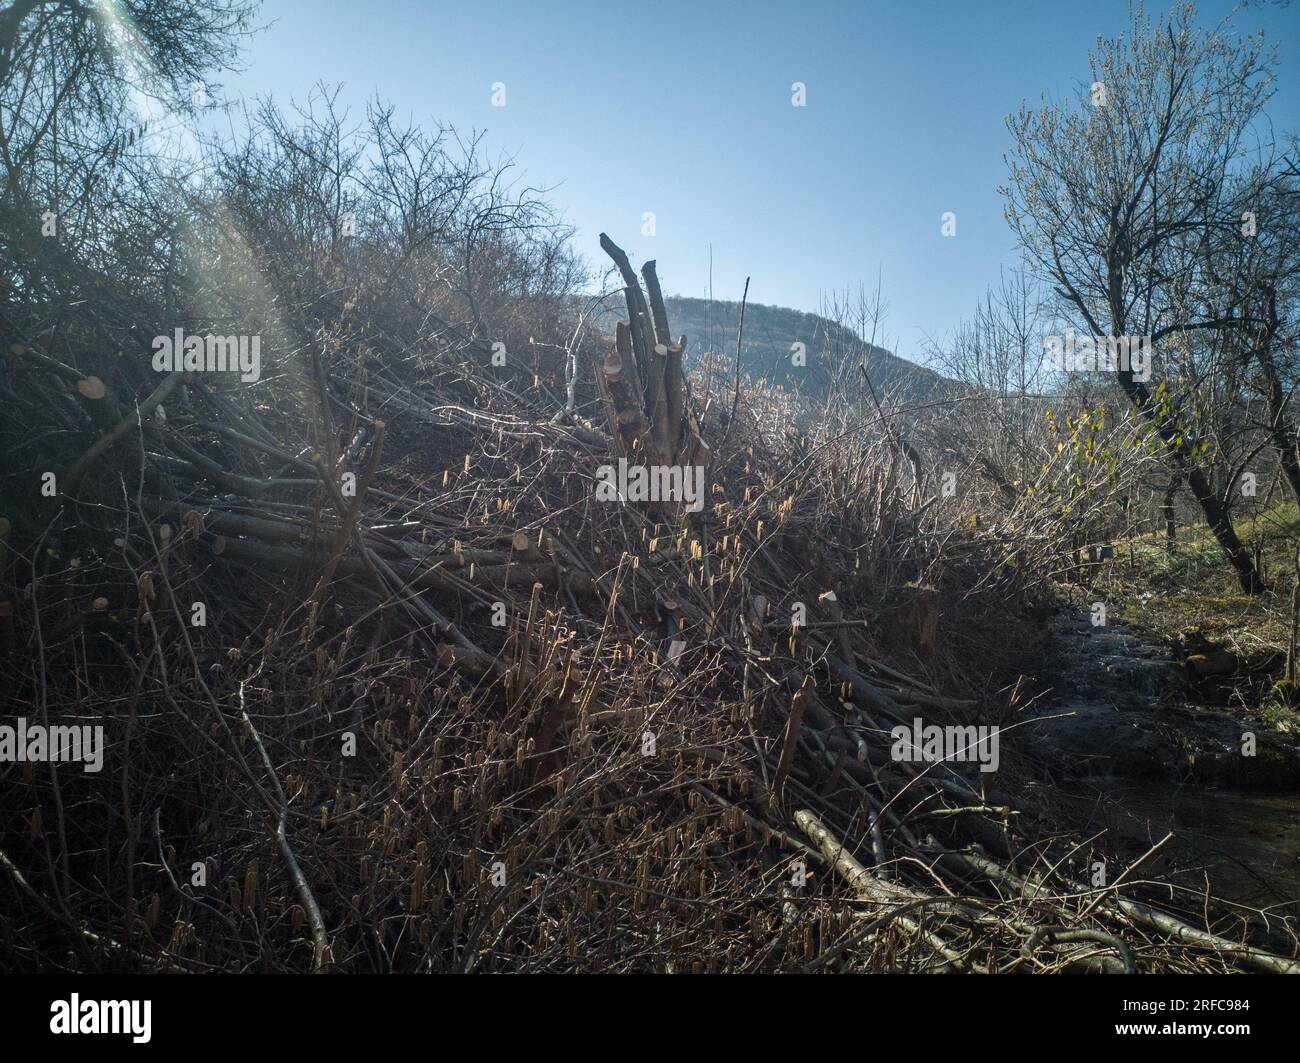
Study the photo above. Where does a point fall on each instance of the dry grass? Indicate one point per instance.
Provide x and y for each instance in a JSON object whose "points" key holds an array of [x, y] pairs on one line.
{"points": [[555, 793]]}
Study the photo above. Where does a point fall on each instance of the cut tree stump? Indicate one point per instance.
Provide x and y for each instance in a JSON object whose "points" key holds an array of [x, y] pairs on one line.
{"points": [[641, 382]]}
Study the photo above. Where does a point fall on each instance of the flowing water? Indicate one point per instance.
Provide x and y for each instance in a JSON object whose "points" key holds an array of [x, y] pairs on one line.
{"points": [[1138, 758], [1247, 844]]}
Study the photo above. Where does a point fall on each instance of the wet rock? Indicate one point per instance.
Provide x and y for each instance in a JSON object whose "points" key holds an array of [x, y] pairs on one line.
{"points": [[1121, 710]]}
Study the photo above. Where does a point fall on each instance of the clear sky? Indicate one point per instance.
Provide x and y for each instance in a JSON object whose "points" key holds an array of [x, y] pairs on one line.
{"points": [[684, 109]]}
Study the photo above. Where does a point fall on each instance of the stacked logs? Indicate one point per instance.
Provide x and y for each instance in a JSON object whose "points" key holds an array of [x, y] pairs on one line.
{"points": [[641, 383]]}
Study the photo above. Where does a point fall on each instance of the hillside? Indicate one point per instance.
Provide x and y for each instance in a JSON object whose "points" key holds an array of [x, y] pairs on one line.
{"points": [[768, 349], [770, 335]]}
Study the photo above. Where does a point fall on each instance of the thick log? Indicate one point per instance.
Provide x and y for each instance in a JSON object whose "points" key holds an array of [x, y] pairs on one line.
{"points": [[658, 312], [666, 393], [418, 575], [617, 371], [675, 388], [639, 319]]}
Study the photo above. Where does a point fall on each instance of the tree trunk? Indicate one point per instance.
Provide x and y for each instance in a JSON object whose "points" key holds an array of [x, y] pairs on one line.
{"points": [[1217, 515], [1281, 430], [1219, 519], [649, 413], [1167, 509]]}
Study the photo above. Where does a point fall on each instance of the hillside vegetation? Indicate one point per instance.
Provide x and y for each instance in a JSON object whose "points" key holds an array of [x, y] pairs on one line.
{"points": [[769, 350]]}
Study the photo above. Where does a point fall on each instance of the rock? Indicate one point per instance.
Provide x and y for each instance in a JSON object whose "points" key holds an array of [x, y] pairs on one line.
{"points": [[1216, 662]]}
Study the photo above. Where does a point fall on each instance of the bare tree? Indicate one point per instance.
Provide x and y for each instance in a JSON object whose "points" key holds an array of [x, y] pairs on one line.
{"points": [[1112, 199]]}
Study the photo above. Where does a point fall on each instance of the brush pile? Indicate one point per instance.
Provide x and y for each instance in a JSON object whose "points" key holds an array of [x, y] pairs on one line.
{"points": [[385, 686]]}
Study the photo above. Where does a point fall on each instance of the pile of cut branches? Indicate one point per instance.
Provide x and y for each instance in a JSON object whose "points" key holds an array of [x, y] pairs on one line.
{"points": [[386, 685]]}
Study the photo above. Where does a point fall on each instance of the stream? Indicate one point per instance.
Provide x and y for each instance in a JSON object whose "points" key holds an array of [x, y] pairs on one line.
{"points": [[1138, 757]]}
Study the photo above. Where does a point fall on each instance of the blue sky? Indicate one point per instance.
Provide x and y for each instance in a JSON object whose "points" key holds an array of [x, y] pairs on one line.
{"points": [[684, 109]]}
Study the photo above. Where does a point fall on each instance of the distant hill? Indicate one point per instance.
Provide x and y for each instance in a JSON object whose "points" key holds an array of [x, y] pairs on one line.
{"points": [[768, 347]]}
